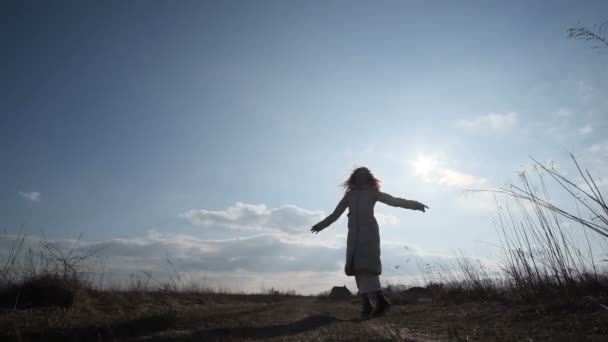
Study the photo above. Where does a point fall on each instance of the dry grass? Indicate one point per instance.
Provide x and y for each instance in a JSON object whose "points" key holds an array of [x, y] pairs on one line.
{"points": [[543, 264]]}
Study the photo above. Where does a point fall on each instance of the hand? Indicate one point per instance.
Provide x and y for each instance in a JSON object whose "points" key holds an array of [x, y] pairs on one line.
{"points": [[422, 207], [316, 229]]}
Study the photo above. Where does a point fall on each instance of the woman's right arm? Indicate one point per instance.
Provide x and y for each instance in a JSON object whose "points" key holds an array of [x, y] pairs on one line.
{"points": [[331, 218], [400, 202]]}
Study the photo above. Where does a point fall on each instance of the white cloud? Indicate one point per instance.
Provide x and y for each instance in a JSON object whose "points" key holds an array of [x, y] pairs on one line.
{"points": [[602, 184], [595, 160], [386, 219], [459, 179], [288, 218], [305, 264], [586, 90], [33, 196], [477, 201], [585, 129], [430, 171], [492, 120], [601, 148], [563, 113]]}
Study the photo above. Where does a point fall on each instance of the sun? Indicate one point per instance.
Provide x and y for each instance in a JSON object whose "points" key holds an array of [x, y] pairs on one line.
{"points": [[423, 165]]}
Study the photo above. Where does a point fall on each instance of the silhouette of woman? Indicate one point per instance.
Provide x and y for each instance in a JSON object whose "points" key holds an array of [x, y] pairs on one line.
{"points": [[361, 192]]}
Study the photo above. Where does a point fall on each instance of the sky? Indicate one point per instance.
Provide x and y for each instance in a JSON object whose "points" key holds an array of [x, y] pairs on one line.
{"points": [[215, 133]]}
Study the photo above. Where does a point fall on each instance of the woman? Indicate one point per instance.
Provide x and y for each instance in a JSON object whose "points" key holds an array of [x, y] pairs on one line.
{"points": [[361, 192]]}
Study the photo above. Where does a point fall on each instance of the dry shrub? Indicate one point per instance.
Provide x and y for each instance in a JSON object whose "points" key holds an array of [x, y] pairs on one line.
{"points": [[39, 291], [49, 276]]}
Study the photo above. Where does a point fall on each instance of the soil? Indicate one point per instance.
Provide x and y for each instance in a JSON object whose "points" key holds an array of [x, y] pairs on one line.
{"points": [[130, 316]]}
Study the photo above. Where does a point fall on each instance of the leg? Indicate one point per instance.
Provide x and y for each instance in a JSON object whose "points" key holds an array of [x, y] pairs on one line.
{"points": [[367, 284], [382, 304], [366, 306]]}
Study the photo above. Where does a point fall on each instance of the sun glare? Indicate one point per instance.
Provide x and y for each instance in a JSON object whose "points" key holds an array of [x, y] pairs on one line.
{"points": [[423, 165]]}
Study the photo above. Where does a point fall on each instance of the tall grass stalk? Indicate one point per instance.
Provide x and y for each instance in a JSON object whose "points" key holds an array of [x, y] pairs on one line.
{"points": [[541, 257], [540, 254]]}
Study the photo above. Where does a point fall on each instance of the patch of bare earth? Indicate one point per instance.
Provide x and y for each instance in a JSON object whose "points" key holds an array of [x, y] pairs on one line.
{"points": [[164, 316]]}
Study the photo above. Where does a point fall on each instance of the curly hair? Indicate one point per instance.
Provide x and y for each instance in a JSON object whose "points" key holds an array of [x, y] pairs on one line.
{"points": [[367, 180]]}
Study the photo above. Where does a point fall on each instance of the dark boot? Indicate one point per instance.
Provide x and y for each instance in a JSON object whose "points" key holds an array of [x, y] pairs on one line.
{"points": [[367, 306], [382, 305]]}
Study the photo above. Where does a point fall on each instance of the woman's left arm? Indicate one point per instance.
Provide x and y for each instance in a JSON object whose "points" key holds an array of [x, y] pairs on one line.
{"points": [[400, 202]]}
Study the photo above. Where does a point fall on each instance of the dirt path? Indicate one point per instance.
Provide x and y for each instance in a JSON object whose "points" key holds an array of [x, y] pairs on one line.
{"points": [[313, 319], [195, 317], [301, 319]]}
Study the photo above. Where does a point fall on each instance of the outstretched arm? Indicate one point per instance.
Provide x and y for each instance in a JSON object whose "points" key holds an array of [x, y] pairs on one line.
{"points": [[400, 202], [332, 217]]}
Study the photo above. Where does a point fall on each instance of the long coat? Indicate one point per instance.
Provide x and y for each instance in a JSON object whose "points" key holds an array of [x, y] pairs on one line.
{"points": [[363, 241]]}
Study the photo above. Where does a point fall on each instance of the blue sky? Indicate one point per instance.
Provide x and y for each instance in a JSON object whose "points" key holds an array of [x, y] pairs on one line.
{"points": [[195, 121]]}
